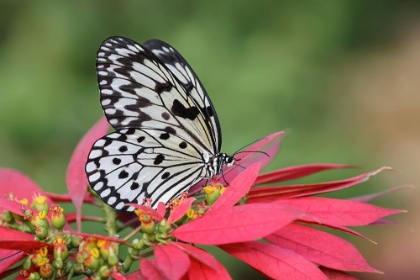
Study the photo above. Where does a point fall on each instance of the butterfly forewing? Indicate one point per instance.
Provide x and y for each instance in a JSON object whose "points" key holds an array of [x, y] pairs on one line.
{"points": [[137, 90], [180, 68]]}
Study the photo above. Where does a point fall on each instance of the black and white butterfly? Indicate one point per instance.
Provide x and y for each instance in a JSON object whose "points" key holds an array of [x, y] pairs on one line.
{"points": [[167, 137]]}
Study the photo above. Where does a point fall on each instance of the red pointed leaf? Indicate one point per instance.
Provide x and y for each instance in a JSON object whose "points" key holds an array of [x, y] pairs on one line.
{"points": [[249, 156], [11, 259], [198, 254], [67, 197], [172, 261], [180, 210], [200, 271], [268, 194], [236, 224], [150, 270], [151, 212], [320, 247], [273, 261], [238, 187], [12, 206], [369, 197], [337, 275], [118, 276], [340, 228], [18, 184], [339, 211], [135, 276], [76, 179], [295, 172], [161, 209]]}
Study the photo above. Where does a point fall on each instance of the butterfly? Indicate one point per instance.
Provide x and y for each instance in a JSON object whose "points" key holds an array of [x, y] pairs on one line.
{"points": [[167, 134]]}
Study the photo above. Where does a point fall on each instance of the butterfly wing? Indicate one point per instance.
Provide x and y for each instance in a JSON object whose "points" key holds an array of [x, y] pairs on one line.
{"points": [[180, 68], [133, 164], [138, 91]]}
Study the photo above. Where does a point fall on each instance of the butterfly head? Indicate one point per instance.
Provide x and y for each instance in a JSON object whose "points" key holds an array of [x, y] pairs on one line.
{"points": [[228, 160]]}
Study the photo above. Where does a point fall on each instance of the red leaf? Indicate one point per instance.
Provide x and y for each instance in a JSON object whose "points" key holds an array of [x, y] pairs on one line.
{"points": [[369, 197], [198, 254], [172, 261], [12, 206], [150, 270], [338, 211], [161, 209], [18, 184], [237, 188], [180, 210], [337, 275], [236, 224], [277, 263], [76, 179], [270, 145], [135, 276], [67, 197], [268, 194], [118, 276], [151, 212], [200, 271], [12, 258], [320, 247], [340, 228], [295, 172]]}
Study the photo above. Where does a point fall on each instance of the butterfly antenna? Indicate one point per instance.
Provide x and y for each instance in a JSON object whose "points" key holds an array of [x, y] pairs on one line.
{"points": [[261, 152], [247, 145]]}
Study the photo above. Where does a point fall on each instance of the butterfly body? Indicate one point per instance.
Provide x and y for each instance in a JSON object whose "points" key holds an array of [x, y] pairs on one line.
{"points": [[167, 137]]}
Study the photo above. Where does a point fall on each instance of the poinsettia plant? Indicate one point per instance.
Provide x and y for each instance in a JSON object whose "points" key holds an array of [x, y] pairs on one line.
{"points": [[273, 228]]}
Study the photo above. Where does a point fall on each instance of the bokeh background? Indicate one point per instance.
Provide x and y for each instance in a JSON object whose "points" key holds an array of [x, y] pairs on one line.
{"points": [[341, 77]]}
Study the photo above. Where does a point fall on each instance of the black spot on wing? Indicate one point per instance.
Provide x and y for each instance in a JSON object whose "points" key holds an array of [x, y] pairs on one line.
{"points": [[164, 136], [179, 110], [182, 145], [134, 186], [123, 174], [158, 160], [123, 149], [165, 116], [170, 130], [116, 161]]}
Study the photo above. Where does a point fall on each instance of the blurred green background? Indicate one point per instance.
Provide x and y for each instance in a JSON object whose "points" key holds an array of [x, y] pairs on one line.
{"points": [[341, 77]]}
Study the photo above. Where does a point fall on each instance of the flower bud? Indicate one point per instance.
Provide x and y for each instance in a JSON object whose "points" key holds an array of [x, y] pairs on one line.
{"points": [[148, 226], [45, 270], [57, 217], [212, 194], [93, 260], [27, 263], [41, 232], [60, 249], [40, 204], [34, 276], [58, 263], [104, 272]]}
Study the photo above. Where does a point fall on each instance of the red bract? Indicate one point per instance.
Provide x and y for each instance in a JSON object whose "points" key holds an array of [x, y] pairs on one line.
{"points": [[76, 179], [264, 226]]}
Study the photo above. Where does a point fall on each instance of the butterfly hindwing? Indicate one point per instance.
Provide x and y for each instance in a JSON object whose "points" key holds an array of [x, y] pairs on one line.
{"points": [[133, 164]]}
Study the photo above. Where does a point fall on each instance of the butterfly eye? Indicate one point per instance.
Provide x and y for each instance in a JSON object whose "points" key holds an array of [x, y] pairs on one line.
{"points": [[167, 129]]}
